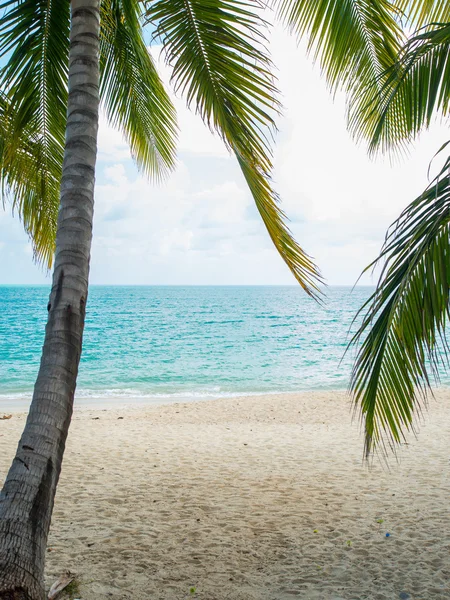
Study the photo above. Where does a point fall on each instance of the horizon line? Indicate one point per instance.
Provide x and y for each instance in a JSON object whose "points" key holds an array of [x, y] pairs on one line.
{"points": [[293, 285]]}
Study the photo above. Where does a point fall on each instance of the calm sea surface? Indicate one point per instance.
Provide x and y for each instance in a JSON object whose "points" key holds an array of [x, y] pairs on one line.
{"points": [[157, 343]]}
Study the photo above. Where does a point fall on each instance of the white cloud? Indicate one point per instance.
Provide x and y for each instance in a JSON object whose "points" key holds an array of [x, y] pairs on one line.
{"points": [[149, 232], [112, 146], [174, 240], [230, 202]]}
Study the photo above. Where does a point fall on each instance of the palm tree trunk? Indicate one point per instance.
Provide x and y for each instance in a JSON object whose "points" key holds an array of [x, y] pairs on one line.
{"points": [[26, 501]]}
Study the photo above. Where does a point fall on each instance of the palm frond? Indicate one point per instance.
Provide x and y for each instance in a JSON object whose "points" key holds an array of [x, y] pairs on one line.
{"points": [[131, 90], [28, 185], [353, 40], [408, 95], [217, 51], [403, 325], [34, 41], [423, 12]]}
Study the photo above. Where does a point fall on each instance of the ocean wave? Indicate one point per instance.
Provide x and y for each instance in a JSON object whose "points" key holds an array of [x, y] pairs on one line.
{"points": [[140, 395]]}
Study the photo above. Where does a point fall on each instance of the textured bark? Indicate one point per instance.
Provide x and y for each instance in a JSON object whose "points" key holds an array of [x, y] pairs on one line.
{"points": [[26, 501]]}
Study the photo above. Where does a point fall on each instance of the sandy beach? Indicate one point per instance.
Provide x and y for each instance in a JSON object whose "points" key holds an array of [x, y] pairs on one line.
{"points": [[254, 498]]}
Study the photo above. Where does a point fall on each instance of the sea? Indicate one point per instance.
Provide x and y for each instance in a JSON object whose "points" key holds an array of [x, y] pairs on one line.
{"points": [[158, 344]]}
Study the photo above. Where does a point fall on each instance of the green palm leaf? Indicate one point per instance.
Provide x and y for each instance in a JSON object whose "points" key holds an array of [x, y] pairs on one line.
{"points": [[34, 38], [353, 40], [132, 93], [423, 12], [412, 92], [402, 331], [217, 51], [27, 182]]}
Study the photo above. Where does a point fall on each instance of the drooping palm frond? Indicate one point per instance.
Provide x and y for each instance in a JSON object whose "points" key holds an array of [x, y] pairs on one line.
{"points": [[217, 51], [412, 92], [34, 41], [403, 326], [423, 12], [29, 183], [131, 90], [353, 40]]}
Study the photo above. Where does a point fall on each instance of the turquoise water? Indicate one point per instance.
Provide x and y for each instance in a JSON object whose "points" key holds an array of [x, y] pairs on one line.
{"points": [[187, 342]]}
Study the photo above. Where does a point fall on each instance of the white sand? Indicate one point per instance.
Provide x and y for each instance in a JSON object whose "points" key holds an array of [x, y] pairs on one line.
{"points": [[225, 496]]}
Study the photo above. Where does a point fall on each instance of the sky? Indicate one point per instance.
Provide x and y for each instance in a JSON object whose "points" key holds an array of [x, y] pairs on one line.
{"points": [[200, 226]]}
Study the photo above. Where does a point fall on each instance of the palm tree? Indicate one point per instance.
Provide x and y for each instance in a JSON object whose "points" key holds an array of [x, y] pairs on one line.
{"points": [[28, 493], [401, 335], [62, 59]]}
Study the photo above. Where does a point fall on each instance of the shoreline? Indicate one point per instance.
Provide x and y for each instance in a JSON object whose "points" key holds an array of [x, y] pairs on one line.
{"points": [[251, 498], [20, 404]]}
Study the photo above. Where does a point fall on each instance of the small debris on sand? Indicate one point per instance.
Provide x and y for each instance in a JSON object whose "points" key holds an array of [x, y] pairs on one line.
{"points": [[60, 584]]}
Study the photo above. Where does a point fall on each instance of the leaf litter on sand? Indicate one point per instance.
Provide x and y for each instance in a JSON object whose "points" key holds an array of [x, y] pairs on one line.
{"points": [[60, 584]]}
